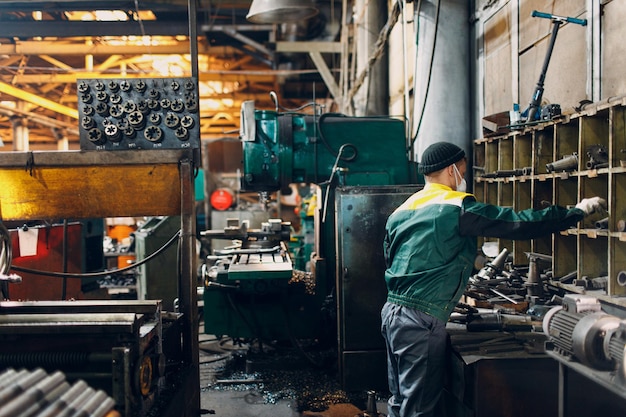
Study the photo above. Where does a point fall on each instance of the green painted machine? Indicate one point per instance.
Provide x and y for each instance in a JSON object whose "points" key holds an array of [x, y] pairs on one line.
{"points": [[335, 152]]}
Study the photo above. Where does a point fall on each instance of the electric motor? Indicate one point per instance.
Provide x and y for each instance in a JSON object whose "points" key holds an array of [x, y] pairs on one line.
{"points": [[580, 329]]}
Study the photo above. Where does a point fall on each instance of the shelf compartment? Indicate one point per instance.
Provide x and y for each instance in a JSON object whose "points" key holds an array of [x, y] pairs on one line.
{"points": [[591, 187], [522, 194], [594, 132], [566, 138], [491, 192], [592, 256], [522, 153], [491, 156], [617, 152], [505, 154], [566, 191], [479, 159], [543, 149], [617, 267], [564, 254]]}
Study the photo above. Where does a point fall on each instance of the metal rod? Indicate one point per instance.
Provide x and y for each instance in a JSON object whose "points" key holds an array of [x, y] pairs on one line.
{"points": [[77, 402], [51, 397], [63, 401], [503, 296], [21, 385], [21, 403]]}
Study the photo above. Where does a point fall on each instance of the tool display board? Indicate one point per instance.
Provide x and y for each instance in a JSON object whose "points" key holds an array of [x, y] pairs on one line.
{"points": [[151, 113]]}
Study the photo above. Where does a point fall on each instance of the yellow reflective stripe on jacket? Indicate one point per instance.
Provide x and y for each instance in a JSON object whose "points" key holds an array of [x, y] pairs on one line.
{"points": [[434, 194]]}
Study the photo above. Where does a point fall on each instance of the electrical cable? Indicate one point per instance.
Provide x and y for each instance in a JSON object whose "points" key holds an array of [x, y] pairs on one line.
{"points": [[332, 174], [103, 273], [321, 121], [6, 252]]}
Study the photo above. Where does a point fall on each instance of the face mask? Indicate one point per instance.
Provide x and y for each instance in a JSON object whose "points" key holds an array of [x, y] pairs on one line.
{"points": [[460, 186]]}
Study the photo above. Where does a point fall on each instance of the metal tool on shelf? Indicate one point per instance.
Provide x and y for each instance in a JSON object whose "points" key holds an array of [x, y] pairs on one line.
{"points": [[598, 157], [567, 163]]}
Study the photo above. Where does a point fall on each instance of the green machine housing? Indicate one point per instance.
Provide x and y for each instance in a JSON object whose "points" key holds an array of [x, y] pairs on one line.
{"points": [[331, 151], [284, 148]]}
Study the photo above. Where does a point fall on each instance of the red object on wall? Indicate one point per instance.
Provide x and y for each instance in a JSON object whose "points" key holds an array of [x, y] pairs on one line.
{"points": [[49, 258]]}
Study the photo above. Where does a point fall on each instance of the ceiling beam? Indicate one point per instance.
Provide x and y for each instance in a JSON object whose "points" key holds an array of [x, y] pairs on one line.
{"points": [[68, 48], [63, 5], [65, 29], [39, 101], [242, 77]]}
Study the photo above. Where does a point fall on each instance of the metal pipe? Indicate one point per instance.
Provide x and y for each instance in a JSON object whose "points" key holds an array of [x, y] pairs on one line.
{"points": [[21, 385], [603, 223], [568, 163], [9, 376], [46, 400], [104, 409], [87, 409], [21, 403], [63, 401], [77, 403]]}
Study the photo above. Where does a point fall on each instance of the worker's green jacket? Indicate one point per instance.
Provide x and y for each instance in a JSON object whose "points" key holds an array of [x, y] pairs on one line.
{"points": [[430, 243]]}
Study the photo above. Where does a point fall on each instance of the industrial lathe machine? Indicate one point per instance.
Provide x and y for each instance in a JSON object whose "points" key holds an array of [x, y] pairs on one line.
{"points": [[362, 168]]}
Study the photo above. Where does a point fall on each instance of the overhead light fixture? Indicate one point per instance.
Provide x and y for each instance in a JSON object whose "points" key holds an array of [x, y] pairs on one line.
{"points": [[281, 11]]}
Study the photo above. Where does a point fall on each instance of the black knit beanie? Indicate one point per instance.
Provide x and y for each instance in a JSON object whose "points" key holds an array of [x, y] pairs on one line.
{"points": [[439, 155]]}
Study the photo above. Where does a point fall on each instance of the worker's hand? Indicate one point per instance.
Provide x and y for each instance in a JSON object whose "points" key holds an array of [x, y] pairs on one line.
{"points": [[592, 205]]}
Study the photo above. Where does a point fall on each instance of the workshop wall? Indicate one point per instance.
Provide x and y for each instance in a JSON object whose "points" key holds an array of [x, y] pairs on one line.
{"points": [[586, 63], [508, 48], [613, 62]]}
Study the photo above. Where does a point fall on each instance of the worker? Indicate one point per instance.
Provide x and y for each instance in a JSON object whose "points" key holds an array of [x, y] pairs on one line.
{"points": [[430, 246]]}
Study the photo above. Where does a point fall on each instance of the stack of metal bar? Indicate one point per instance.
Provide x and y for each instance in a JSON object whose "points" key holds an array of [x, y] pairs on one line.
{"points": [[38, 394]]}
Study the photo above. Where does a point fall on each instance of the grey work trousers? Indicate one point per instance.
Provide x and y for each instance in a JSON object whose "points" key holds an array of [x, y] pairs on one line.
{"points": [[416, 361]]}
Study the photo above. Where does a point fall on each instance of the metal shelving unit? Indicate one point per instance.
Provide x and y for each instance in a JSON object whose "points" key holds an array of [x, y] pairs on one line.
{"points": [[588, 250]]}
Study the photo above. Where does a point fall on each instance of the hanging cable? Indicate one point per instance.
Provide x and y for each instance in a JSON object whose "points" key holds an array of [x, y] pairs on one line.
{"points": [[6, 252], [329, 183], [103, 273]]}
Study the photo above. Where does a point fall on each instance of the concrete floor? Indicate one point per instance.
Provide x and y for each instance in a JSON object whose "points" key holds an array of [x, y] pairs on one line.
{"points": [[268, 381]]}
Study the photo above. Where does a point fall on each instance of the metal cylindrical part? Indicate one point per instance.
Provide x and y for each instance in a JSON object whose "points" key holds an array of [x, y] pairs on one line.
{"points": [[47, 400], [603, 223], [621, 278], [567, 163], [7, 377], [64, 400], [104, 408], [87, 408], [587, 340], [558, 325], [371, 410], [77, 403], [19, 405], [20, 385]]}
